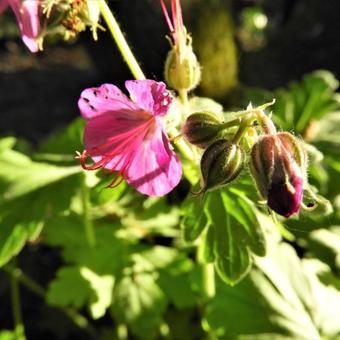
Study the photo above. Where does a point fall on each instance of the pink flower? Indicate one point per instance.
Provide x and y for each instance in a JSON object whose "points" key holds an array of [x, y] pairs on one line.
{"points": [[127, 135], [27, 14]]}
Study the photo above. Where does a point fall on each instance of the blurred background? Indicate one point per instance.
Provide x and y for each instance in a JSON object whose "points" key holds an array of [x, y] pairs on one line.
{"points": [[260, 43], [248, 49]]}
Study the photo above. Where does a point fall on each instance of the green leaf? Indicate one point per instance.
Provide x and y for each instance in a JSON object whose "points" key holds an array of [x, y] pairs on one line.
{"points": [[100, 258], [7, 143], [140, 303], [18, 226], [274, 299], [23, 219], [173, 270], [206, 246], [20, 176], [8, 335], [194, 219], [245, 212], [159, 256], [232, 255], [327, 136], [67, 141], [80, 286], [325, 245], [311, 99], [177, 289], [69, 288], [326, 298], [103, 288]]}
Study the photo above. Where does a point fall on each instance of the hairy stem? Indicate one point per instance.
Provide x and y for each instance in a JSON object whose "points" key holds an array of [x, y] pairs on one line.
{"points": [[183, 96], [231, 123], [265, 122], [120, 40], [246, 123], [182, 145]]}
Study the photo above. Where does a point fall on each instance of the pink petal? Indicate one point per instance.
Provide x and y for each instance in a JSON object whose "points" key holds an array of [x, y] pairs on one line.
{"points": [[27, 14], [150, 95], [3, 5], [104, 133], [155, 169], [97, 101]]}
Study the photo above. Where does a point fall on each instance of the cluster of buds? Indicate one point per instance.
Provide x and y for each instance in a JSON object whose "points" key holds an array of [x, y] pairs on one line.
{"points": [[277, 160], [182, 69]]}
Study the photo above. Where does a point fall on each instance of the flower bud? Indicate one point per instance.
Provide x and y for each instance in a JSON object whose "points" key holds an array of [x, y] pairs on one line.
{"points": [[279, 167], [201, 129], [221, 163], [182, 69]]}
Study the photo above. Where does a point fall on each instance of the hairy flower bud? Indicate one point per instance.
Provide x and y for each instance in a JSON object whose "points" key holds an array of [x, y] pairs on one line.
{"points": [[278, 165], [201, 129], [221, 163], [182, 69]]}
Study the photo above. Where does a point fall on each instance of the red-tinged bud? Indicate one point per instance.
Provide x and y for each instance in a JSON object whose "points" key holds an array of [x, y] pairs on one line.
{"points": [[278, 165], [201, 129], [221, 163]]}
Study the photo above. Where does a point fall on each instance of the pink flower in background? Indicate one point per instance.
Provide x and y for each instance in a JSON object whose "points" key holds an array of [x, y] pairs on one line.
{"points": [[27, 14], [127, 135]]}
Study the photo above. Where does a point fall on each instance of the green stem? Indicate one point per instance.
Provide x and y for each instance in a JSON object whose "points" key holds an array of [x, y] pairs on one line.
{"points": [[137, 72], [231, 123], [89, 230], [209, 280], [120, 40], [18, 276], [244, 125], [19, 328], [122, 331], [208, 271], [182, 145], [183, 96]]}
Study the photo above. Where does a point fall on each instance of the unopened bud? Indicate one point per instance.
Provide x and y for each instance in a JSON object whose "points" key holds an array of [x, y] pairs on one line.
{"points": [[182, 70], [279, 167], [221, 163], [201, 129]]}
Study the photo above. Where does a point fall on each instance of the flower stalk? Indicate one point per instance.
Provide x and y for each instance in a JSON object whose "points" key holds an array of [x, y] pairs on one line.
{"points": [[120, 40]]}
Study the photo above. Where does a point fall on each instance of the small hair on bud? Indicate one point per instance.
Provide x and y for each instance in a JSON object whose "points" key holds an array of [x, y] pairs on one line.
{"points": [[278, 165], [201, 129], [221, 163], [182, 72]]}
